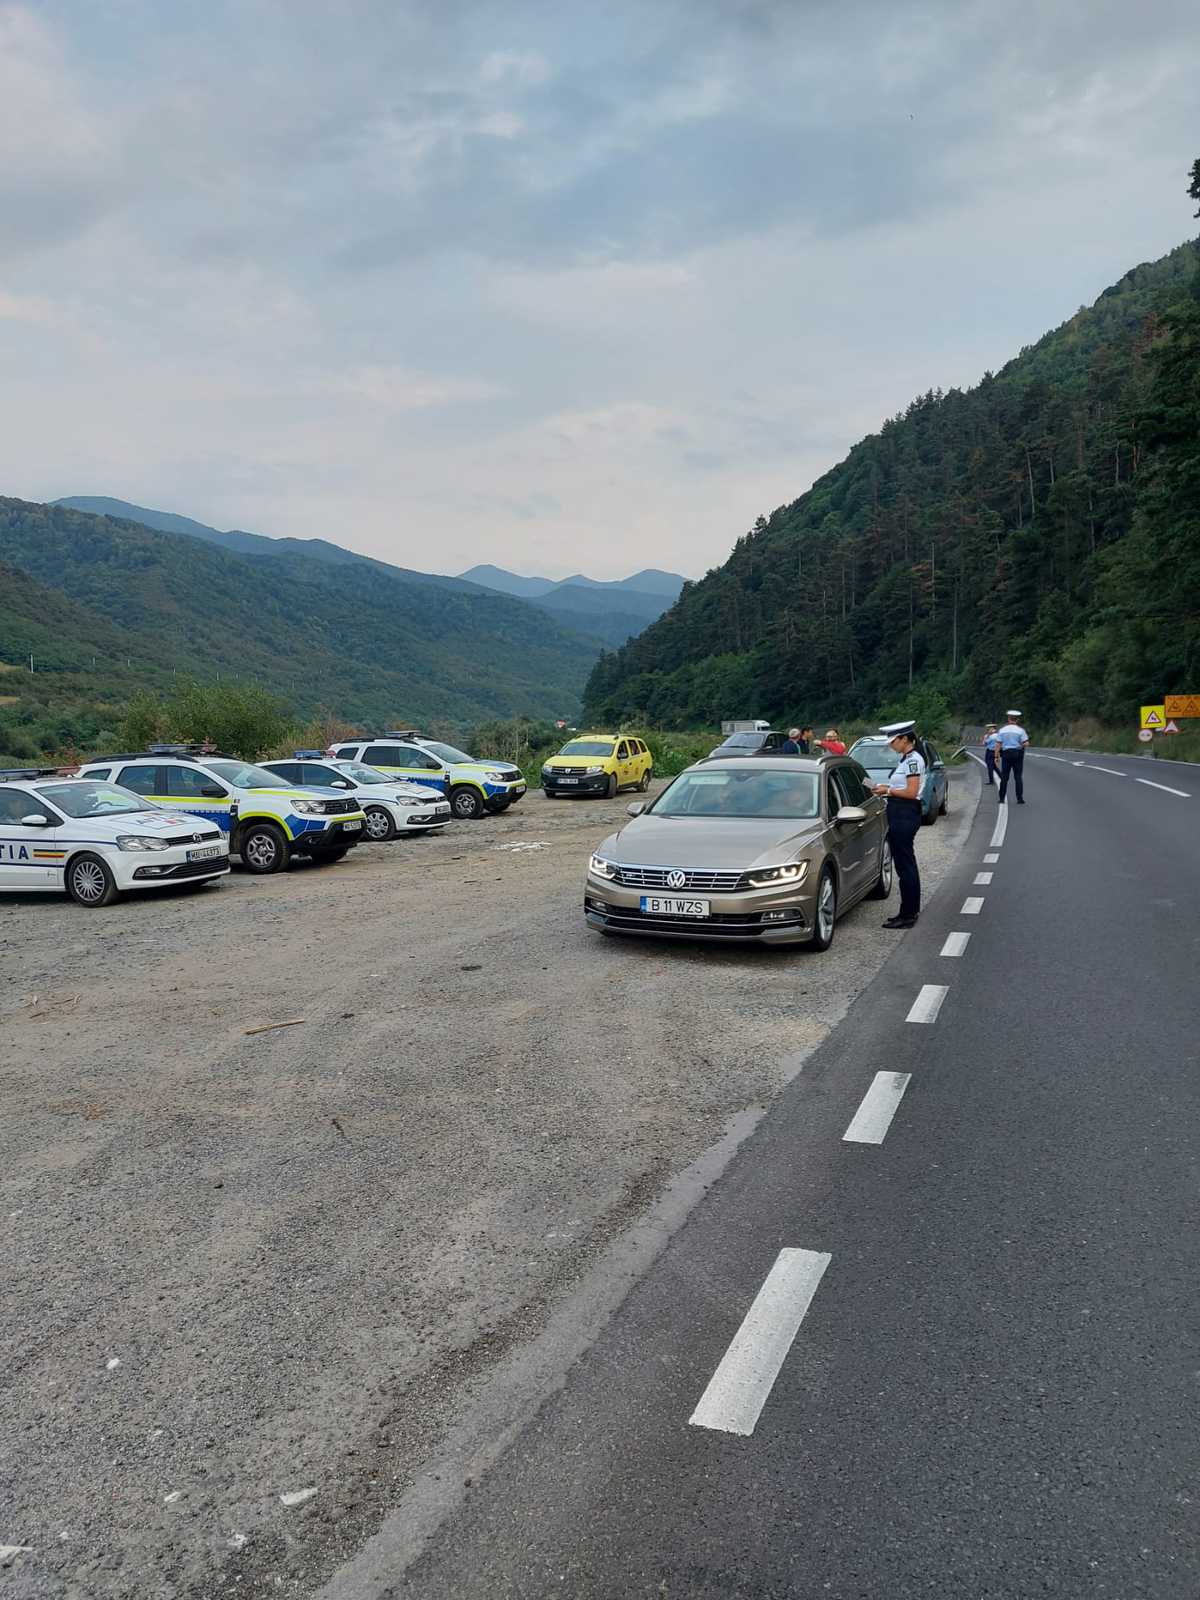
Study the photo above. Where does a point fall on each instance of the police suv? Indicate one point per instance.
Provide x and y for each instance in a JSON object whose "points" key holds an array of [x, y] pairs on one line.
{"points": [[95, 839], [390, 807], [268, 820], [472, 787]]}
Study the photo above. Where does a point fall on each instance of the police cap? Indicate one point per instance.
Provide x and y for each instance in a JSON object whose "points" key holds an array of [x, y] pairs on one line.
{"points": [[893, 730], [1012, 713]]}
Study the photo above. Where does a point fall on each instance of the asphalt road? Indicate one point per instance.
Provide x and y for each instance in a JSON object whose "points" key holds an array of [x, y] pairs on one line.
{"points": [[974, 1373]]}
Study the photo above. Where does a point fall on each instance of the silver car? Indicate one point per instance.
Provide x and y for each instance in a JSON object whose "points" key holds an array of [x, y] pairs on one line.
{"points": [[769, 849]]}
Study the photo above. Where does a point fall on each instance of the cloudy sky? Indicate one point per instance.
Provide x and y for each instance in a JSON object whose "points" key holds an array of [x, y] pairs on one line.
{"points": [[560, 286]]}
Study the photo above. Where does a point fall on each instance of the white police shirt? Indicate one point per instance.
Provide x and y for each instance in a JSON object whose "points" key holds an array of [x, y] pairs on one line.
{"points": [[908, 766], [1012, 736]]}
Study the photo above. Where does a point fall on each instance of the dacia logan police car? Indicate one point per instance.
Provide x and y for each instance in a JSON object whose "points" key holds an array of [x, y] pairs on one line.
{"points": [[268, 820], [390, 807], [473, 787], [94, 839]]}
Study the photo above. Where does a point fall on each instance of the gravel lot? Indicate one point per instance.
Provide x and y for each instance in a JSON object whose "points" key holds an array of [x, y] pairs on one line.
{"points": [[239, 1267]]}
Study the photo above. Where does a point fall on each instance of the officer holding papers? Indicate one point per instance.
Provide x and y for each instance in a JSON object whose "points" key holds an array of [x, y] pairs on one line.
{"points": [[903, 791]]}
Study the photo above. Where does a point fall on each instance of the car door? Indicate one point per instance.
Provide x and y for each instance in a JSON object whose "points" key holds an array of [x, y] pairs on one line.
{"points": [[24, 850], [852, 840], [422, 766], [623, 764], [199, 794]]}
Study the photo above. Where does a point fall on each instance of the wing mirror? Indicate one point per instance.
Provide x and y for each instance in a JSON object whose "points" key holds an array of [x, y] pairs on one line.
{"points": [[636, 809], [211, 792], [35, 819], [851, 814], [341, 783]]}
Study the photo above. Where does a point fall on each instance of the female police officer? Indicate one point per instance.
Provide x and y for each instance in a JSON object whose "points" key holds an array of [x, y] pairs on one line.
{"points": [[903, 791]]}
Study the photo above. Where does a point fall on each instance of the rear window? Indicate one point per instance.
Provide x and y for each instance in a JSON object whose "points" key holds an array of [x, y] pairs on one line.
{"points": [[744, 741]]}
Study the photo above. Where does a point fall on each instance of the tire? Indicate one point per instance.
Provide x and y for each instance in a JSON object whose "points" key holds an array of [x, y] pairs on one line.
{"points": [[378, 824], [263, 848], [944, 808], [611, 792], [322, 858], [551, 794], [928, 818], [89, 882], [646, 777], [465, 803], [825, 917], [882, 887]]}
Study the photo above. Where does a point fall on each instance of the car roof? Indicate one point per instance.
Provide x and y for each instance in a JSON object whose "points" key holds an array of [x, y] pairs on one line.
{"points": [[770, 760]]}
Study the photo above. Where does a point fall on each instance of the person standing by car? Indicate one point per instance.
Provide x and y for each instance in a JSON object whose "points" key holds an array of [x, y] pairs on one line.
{"points": [[1013, 741], [903, 792], [791, 745], [991, 743], [832, 743], [805, 741]]}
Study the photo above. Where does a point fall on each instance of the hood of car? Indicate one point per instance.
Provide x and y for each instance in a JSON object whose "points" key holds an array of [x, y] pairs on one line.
{"points": [[415, 794], [167, 824], [476, 769], [722, 844], [576, 761]]}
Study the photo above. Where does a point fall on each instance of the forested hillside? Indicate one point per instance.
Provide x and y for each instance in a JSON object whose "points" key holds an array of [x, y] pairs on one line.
{"points": [[117, 600], [1034, 541]]}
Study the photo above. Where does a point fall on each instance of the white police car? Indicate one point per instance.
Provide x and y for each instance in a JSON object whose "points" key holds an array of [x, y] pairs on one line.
{"points": [[472, 787], [94, 839], [389, 806]]}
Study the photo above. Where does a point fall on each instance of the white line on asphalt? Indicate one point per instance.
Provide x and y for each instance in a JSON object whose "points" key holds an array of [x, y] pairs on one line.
{"points": [[1063, 759], [990, 860], [738, 1389], [974, 757], [1112, 771], [972, 905], [1150, 784], [1000, 829], [984, 877], [955, 944], [874, 1116], [928, 1003]]}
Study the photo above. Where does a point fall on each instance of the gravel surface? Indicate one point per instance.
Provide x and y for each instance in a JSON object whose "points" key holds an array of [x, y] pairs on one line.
{"points": [[242, 1267]]}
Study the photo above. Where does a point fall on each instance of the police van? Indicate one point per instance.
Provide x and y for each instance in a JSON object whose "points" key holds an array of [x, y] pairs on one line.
{"points": [[471, 786], [268, 820], [94, 840]]}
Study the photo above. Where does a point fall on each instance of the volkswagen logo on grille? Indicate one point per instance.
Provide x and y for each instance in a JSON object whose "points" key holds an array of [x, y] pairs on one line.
{"points": [[676, 880]]}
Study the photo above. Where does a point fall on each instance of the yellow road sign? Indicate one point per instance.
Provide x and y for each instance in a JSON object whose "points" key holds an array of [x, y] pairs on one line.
{"points": [[1154, 716], [1182, 705]]}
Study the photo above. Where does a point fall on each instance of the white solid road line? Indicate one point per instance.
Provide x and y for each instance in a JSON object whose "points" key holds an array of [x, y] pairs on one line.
{"points": [[974, 757], [1001, 827], [990, 860], [738, 1389], [972, 905], [928, 1003], [984, 877], [874, 1116], [955, 944], [1112, 771], [1150, 784], [1063, 759]]}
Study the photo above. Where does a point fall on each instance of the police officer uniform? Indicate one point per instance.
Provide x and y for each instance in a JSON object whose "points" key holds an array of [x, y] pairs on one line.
{"points": [[991, 743], [904, 822], [1013, 740]]}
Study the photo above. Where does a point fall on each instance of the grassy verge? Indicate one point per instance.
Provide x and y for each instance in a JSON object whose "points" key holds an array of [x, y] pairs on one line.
{"points": [[1087, 734]]}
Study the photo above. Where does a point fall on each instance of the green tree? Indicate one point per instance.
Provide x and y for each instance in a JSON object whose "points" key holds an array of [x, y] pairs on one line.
{"points": [[238, 718]]}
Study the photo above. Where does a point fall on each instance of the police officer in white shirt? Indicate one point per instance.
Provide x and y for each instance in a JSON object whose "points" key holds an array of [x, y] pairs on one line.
{"points": [[1013, 740], [903, 791]]}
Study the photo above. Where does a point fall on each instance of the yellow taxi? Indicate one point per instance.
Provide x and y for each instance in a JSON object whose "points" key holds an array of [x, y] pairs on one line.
{"points": [[598, 763]]}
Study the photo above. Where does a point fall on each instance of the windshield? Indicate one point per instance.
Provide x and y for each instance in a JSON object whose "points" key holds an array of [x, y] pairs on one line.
{"points": [[93, 799], [243, 776], [746, 741], [740, 794], [447, 752], [361, 773], [587, 747], [875, 757]]}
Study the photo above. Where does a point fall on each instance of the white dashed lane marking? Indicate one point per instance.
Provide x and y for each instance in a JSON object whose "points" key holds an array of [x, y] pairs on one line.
{"points": [[972, 905], [928, 1003], [955, 944], [874, 1116], [1112, 771], [738, 1389], [990, 859], [1000, 829], [983, 877], [1150, 784]]}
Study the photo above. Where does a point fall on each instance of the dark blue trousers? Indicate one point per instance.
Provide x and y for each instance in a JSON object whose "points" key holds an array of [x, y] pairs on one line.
{"points": [[989, 761], [1012, 765], [904, 822]]}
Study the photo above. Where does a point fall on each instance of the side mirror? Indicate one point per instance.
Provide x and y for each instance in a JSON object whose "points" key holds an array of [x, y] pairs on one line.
{"points": [[340, 783], [35, 819], [636, 809], [211, 791], [851, 814]]}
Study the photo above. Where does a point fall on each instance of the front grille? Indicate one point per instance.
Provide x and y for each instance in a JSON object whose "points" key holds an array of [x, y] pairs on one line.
{"points": [[199, 838], [695, 879], [570, 772], [339, 808], [719, 925]]}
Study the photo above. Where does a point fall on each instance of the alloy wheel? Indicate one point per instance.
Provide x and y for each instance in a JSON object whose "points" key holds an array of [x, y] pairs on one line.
{"points": [[87, 880]]}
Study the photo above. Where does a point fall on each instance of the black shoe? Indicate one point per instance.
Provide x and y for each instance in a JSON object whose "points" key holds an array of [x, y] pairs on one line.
{"points": [[899, 922], [1020, 802]]}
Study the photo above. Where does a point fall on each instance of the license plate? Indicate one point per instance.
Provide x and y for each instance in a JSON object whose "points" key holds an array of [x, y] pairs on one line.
{"points": [[671, 906], [207, 854], [351, 827], [518, 788], [568, 780]]}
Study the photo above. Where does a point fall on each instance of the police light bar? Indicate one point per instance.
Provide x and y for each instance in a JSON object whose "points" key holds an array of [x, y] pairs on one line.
{"points": [[403, 733], [19, 774], [308, 755]]}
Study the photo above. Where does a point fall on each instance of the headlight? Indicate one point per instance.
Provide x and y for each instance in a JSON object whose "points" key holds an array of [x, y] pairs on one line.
{"points": [[547, 772], [602, 868], [142, 841], [309, 808], [794, 872], [593, 769], [499, 777]]}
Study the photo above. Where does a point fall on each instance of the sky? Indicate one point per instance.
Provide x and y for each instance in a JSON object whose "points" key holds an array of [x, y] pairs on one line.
{"points": [[556, 286]]}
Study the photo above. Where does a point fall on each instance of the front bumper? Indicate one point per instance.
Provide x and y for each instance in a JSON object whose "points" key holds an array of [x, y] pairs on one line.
{"points": [[143, 871], [755, 916], [595, 783], [337, 836]]}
